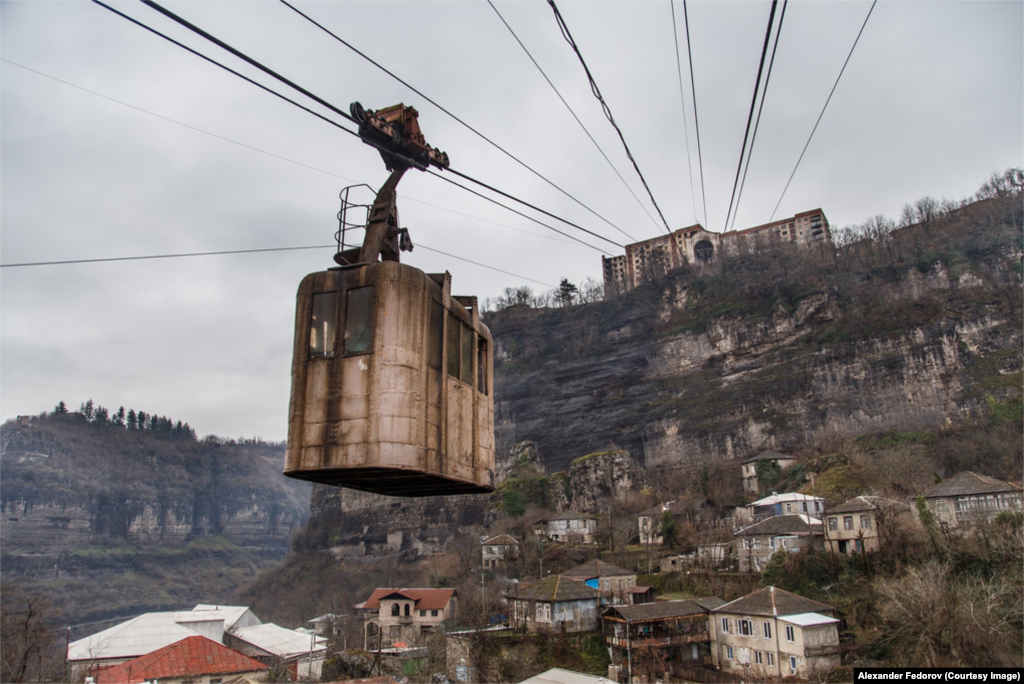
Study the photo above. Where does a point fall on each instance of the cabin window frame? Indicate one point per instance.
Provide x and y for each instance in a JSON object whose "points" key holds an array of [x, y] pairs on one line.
{"points": [[359, 340], [323, 311]]}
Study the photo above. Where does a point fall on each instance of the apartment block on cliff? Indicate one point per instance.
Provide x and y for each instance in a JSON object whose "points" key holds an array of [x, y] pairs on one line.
{"points": [[649, 259]]}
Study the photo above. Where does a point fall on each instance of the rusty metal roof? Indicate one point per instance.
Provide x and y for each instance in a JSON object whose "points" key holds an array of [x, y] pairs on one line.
{"points": [[773, 601], [968, 483], [556, 588], [425, 599], [193, 656]]}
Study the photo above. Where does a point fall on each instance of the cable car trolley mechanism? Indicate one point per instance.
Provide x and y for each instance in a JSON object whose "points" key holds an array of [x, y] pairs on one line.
{"points": [[392, 375]]}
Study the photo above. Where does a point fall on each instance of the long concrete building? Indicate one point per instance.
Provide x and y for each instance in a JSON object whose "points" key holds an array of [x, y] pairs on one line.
{"points": [[649, 259]]}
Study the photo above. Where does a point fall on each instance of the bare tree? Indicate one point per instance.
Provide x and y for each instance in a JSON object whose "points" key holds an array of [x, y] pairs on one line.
{"points": [[30, 647]]}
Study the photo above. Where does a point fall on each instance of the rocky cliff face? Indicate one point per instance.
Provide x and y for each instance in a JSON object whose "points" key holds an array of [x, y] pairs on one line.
{"points": [[69, 486]]}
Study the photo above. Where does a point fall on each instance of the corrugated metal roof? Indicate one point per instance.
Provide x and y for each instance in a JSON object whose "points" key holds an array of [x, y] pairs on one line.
{"points": [[138, 636], [556, 588], [808, 619], [191, 656], [232, 614], [425, 599], [597, 568], [782, 498], [657, 611], [794, 523], [279, 641], [772, 601], [557, 675], [967, 483]]}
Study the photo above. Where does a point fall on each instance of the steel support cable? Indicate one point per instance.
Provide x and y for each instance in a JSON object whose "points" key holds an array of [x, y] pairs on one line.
{"points": [[807, 144], [696, 120], [339, 126], [431, 101], [515, 211], [750, 116], [682, 104], [567, 106], [760, 108], [247, 251], [604, 106]]}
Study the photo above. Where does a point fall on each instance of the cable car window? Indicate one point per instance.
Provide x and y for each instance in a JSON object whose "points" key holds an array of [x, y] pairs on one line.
{"points": [[435, 334], [322, 324], [454, 328], [359, 321], [467, 356], [481, 365]]}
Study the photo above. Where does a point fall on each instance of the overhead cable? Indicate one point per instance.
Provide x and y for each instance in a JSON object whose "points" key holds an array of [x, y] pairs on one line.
{"points": [[760, 108], [321, 116], [571, 111], [607, 110], [180, 255], [696, 120], [682, 104], [750, 116], [431, 101], [872, 9]]}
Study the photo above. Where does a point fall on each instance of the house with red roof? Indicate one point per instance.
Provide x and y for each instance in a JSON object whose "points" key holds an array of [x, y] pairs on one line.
{"points": [[407, 616], [195, 659]]}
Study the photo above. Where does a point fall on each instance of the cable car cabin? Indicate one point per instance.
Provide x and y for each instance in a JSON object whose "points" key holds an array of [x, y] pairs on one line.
{"points": [[391, 384]]}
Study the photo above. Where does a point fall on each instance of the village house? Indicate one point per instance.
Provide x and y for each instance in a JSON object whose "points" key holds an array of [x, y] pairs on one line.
{"points": [[569, 527], [192, 660], [755, 545], [302, 653], [613, 582], [854, 526], [408, 616], [646, 641], [969, 497], [773, 633], [555, 604], [498, 549], [149, 632], [767, 458], [785, 504]]}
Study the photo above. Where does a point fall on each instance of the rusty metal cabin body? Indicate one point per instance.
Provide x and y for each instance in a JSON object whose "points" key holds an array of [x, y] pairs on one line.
{"points": [[392, 376]]}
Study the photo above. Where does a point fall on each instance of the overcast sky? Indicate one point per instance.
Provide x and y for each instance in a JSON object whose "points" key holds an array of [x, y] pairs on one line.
{"points": [[117, 143]]}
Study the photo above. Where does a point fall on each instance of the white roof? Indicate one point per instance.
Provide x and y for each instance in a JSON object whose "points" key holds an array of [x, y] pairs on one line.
{"points": [[557, 675], [782, 498], [130, 639], [230, 614], [279, 641], [808, 619]]}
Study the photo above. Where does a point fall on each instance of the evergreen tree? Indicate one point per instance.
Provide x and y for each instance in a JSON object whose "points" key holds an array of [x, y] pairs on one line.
{"points": [[101, 417], [143, 419], [131, 421], [118, 418], [88, 410], [60, 409]]}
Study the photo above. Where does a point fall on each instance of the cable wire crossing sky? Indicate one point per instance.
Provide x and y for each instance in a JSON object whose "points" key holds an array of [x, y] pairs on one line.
{"points": [[118, 144]]}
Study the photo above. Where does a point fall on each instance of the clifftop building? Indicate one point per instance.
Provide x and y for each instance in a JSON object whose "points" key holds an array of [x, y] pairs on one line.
{"points": [[652, 258]]}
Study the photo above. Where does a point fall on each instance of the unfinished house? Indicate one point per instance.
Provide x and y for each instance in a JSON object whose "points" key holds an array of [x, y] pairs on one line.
{"points": [[773, 633], [655, 640], [496, 550], [749, 468]]}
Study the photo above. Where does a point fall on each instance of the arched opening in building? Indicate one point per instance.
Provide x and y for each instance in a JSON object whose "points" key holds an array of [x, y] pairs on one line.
{"points": [[704, 252]]}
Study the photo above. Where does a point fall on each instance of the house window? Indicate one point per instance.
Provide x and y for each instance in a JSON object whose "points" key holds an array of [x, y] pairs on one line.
{"points": [[423, 613], [728, 652], [792, 664], [395, 610], [758, 658], [725, 626], [771, 659], [433, 613], [790, 634], [847, 522], [789, 508], [766, 629], [865, 522], [406, 610], [745, 627], [395, 632], [543, 612]]}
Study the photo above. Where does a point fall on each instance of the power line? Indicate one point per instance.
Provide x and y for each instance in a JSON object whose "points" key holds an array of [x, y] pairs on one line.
{"points": [[431, 101], [872, 9], [760, 108], [750, 116], [604, 106], [696, 121], [308, 110], [682, 104], [571, 111]]}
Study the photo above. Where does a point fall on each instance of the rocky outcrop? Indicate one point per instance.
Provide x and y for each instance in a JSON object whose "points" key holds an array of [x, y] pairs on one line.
{"points": [[603, 477]]}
